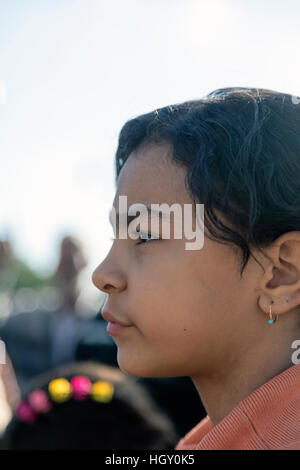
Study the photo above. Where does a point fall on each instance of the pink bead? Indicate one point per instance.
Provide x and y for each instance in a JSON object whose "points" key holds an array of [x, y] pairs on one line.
{"points": [[25, 413], [39, 401], [81, 387]]}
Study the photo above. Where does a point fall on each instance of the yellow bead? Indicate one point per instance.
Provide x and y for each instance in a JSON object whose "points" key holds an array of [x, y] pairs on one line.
{"points": [[60, 390], [102, 391]]}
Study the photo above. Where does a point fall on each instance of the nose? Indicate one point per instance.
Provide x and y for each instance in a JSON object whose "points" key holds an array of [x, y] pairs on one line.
{"points": [[108, 279]]}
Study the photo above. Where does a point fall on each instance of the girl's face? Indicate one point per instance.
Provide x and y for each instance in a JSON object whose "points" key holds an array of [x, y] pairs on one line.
{"points": [[189, 311]]}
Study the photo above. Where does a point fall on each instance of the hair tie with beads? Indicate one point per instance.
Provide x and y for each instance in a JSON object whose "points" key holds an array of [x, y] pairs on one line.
{"points": [[60, 390]]}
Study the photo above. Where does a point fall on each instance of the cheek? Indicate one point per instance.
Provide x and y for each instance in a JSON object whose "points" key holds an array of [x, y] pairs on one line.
{"points": [[178, 289], [169, 302]]}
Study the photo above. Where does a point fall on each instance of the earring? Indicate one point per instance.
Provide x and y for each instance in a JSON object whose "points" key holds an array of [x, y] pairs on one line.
{"points": [[271, 319]]}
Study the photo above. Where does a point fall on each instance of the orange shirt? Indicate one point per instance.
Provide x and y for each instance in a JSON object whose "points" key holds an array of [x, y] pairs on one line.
{"points": [[268, 419]]}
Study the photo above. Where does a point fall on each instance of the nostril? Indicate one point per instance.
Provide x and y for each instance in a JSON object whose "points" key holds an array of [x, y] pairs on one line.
{"points": [[108, 282], [96, 279], [107, 287]]}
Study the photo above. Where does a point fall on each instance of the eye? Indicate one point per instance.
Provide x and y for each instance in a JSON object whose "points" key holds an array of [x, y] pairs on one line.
{"points": [[146, 238]]}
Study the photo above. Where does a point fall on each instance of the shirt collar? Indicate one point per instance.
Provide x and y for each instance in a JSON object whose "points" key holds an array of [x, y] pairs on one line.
{"points": [[269, 418]]}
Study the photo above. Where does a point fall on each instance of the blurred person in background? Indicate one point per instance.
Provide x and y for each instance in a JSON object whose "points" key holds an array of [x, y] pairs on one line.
{"points": [[38, 338], [87, 406], [65, 325]]}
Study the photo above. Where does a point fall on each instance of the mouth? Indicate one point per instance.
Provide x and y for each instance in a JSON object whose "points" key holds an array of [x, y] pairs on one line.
{"points": [[114, 328], [109, 317]]}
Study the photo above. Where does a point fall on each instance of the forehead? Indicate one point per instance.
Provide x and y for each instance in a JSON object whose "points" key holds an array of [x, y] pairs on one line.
{"points": [[150, 176]]}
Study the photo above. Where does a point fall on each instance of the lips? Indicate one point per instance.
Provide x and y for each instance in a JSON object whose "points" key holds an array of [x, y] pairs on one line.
{"points": [[112, 319]]}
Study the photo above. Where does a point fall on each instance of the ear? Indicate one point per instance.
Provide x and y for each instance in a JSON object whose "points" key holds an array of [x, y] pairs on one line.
{"points": [[280, 283]]}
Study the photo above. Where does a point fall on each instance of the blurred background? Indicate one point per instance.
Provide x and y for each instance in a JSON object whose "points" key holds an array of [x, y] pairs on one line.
{"points": [[71, 73]]}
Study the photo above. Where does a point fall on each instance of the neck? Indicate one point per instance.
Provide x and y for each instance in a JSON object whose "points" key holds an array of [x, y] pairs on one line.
{"points": [[223, 390]]}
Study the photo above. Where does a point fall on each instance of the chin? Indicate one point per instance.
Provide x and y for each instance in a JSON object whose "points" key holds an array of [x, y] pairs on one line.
{"points": [[141, 370]]}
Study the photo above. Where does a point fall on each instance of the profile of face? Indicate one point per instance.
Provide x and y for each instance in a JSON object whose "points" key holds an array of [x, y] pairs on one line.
{"points": [[189, 311]]}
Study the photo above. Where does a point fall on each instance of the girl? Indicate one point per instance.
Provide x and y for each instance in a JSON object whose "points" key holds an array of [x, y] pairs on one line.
{"points": [[226, 315]]}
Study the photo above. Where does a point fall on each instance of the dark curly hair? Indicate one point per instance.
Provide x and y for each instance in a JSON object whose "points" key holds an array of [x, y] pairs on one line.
{"points": [[131, 421], [241, 148]]}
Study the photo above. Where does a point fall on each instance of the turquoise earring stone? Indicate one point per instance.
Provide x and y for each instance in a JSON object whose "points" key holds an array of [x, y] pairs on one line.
{"points": [[270, 321]]}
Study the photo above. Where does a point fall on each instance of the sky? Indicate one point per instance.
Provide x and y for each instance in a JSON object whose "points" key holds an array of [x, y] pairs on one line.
{"points": [[72, 72]]}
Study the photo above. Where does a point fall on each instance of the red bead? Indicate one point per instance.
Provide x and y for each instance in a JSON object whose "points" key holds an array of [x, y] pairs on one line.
{"points": [[25, 413], [81, 387]]}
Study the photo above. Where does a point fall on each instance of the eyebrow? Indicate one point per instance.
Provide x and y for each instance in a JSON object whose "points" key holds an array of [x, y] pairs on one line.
{"points": [[130, 218]]}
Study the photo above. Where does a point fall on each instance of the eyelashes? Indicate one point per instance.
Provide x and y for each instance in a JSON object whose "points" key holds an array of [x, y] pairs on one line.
{"points": [[144, 238]]}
